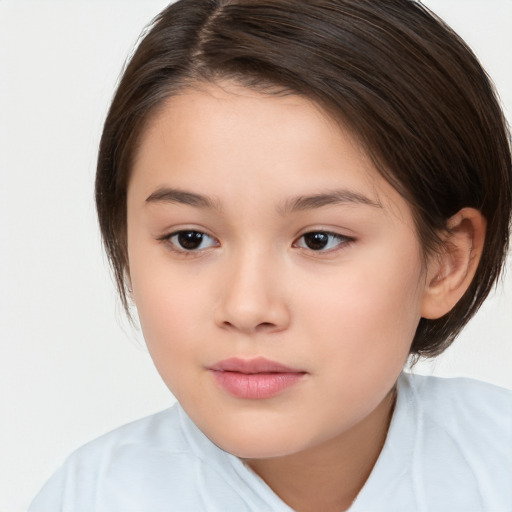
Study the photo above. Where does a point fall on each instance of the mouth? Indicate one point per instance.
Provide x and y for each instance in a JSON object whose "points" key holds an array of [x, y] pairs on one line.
{"points": [[255, 379]]}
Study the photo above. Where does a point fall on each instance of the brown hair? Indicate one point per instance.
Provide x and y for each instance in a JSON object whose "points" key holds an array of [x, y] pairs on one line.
{"points": [[404, 82]]}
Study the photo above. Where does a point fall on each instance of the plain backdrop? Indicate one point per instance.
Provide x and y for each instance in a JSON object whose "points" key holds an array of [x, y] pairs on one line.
{"points": [[71, 367]]}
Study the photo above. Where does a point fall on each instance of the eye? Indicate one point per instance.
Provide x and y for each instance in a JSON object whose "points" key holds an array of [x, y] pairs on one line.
{"points": [[190, 240], [322, 241]]}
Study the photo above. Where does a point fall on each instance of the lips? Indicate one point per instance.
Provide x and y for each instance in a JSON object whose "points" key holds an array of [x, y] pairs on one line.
{"points": [[255, 379]]}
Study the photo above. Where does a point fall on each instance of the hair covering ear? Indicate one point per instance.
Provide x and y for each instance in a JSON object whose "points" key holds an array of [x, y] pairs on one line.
{"points": [[452, 269]]}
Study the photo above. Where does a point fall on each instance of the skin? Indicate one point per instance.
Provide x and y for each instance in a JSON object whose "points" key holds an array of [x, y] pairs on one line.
{"points": [[345, 315]]}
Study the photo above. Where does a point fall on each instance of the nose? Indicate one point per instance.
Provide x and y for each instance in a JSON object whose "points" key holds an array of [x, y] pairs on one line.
{"points": [[252, 296]]}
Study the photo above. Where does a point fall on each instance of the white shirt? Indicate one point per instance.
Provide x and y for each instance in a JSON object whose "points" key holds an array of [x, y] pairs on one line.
{"points": [[449, 448]]}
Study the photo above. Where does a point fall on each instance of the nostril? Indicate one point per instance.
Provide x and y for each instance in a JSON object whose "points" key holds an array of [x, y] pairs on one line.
{"points": [[265, 326]]}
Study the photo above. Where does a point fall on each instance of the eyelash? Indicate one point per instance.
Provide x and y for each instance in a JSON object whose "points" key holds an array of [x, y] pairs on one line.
{"points": [[177, 247], [343, 241]]}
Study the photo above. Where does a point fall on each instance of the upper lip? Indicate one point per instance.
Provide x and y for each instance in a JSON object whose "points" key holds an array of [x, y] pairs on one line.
{"points": [[255, 365]]}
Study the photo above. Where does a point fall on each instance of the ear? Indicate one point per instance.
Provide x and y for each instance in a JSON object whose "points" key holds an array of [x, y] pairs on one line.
{"points": [[450, 272]]}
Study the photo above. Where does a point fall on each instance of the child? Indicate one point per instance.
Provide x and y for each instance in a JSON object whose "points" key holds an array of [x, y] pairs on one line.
{"points": [[298, 196]]}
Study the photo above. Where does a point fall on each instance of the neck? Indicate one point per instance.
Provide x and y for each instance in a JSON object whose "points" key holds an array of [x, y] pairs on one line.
{"points": [[329, 476]]}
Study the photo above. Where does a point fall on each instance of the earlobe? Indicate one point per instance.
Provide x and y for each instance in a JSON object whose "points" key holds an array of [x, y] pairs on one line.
{"points": [[451, 271]]}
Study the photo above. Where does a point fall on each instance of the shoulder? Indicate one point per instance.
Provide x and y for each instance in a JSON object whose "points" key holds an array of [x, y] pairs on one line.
{"points": [[464, 439], [456, 401], [122, 467], [143, 442], [160, 430], [448, 449], [159, 463]]}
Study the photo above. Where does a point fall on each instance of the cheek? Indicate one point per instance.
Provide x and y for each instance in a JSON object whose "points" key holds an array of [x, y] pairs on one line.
{"points": [[367, 316], [167, 313], [171, 324], [171, 313], [363, 328]]}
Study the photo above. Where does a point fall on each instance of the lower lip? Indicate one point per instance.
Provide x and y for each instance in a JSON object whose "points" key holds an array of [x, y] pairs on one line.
{"points": [[256, 386]]}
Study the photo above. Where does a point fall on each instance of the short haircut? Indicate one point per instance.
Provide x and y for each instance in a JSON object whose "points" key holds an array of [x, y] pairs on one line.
{"points": [[400, 79]]}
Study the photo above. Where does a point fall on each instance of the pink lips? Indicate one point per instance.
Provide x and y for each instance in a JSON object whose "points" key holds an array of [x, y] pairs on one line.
{"points": [[254, 378]]}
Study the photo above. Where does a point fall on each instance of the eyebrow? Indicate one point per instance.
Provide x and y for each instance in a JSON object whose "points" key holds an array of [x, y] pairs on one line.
{"points": [[299, 203], [172, 195], [334, 197]]}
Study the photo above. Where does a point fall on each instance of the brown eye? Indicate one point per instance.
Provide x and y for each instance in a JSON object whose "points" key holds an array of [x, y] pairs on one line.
{"points": [[322, 241], [316, 241], [191, 240]]}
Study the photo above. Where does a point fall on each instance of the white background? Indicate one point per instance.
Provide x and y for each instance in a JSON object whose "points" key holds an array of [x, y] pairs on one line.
{"points": [[71, 367]]}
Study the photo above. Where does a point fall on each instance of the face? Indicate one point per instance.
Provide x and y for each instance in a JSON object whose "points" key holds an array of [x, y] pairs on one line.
{"points": [[277, 276]]}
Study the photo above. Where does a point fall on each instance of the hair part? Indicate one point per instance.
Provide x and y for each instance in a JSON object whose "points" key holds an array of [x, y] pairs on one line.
{"points": [[402, 81]]}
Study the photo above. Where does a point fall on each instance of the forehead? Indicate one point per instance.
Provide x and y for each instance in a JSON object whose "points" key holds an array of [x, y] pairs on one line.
{"points": [[226, 140], [212, 115]]}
